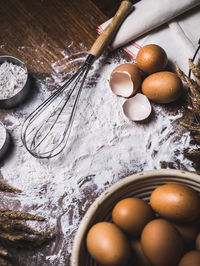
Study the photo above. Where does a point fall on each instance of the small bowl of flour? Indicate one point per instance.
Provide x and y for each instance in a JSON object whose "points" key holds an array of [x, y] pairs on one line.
{"points": [[14, 82], [4, 140]]}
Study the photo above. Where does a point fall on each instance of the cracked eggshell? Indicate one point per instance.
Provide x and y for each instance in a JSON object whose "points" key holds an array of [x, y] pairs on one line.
{"points": [[137, 108], [125, 80]]}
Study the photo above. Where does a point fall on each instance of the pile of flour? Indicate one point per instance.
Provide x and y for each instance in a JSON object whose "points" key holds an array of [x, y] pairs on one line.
{"points": [[103, 148], [12, 79]]}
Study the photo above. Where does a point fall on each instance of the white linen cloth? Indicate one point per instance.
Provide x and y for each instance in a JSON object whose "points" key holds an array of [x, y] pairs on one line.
{"points": [[174, 25]]}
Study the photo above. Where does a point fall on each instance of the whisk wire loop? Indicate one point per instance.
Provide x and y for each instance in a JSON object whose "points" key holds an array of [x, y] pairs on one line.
{"points": [[35, 146], [40, 135]]}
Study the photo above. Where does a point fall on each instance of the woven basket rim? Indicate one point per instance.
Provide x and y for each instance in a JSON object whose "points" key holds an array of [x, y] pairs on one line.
{"points": [[85, 222]]}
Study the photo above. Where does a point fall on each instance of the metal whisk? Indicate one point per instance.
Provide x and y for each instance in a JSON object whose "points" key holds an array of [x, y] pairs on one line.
{"points": [[42, 134]]}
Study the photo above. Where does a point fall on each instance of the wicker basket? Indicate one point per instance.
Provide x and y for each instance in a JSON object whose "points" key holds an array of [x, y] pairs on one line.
{"points": [[138, 185]]}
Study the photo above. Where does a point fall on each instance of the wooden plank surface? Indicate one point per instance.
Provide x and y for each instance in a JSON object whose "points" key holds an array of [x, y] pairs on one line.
{"points": [[52, 24]]}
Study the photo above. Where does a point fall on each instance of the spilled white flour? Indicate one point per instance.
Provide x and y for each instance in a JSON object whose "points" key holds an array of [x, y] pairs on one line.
{"points": [[104, 146]]}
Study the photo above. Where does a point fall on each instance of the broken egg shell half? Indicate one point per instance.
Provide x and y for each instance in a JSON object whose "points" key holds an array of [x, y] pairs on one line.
{"points": [[137, 108], [125, 80]]}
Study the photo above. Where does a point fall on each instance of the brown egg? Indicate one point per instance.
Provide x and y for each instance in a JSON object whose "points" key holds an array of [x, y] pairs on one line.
{"points": [[125, 80], [188, 232], [108, 245], [192, 258], [162, 87], [198, 242], [151, 58], [161, 243], [131, 215], [176, 202], [139, 259]]}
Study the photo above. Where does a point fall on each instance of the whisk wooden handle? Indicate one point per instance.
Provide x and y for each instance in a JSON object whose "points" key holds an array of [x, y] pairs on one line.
{"points": [[105, 38]]}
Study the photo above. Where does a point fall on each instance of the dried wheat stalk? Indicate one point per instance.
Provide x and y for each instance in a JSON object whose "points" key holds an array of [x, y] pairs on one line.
{"points": [[5, 187], [194, 86], [15, 233]]}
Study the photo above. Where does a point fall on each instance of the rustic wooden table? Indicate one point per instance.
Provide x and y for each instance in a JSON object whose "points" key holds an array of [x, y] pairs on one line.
{"points": [[30, 23], [37, 32]]}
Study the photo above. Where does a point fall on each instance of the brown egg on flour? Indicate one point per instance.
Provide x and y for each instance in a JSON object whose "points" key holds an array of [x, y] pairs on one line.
{"points": [[108, 245], [176, 202], [125, 80], [151, 58], [162, 87], [161, 243], [192, 258], [131, 215]]}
